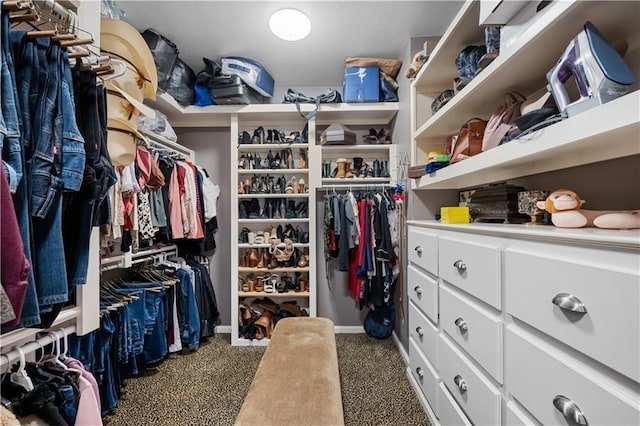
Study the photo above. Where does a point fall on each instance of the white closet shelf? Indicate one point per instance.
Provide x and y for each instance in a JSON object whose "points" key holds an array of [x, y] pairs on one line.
{"points": [[18, 336], [612, 238], [267, 220], [272, 171], [273, 294], [281, 245], [252, 147], [352, 181], [273, 270], [379, 113], [524, 66], [605, 132]]}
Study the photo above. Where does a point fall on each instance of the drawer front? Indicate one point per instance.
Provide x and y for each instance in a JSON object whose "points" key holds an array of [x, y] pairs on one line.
{"points": [[608, 331], [424, 373], [473, 267], [449, 413], [423, 291], [515, 417], [424, 334], [475, 328], [423, 249], [539, 375], [475, 394]]}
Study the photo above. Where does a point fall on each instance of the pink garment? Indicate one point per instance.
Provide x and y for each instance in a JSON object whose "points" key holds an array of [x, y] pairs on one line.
{"points": [[14, 266], [74, 363], [88, 409], [175, 206]]}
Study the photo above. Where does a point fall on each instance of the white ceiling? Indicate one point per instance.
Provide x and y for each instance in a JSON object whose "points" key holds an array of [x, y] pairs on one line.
{"points": [[340, 29]]}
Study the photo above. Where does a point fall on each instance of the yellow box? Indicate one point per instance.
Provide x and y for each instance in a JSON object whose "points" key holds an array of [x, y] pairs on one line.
{"points": [[454, 214]]}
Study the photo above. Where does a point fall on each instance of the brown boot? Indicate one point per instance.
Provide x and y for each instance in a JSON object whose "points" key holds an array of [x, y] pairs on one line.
{"points": [[341, 168], [347, 170]]}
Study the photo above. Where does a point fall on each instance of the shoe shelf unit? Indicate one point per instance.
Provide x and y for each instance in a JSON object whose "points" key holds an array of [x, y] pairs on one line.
{"points": [[271, 197], [482, 326]]}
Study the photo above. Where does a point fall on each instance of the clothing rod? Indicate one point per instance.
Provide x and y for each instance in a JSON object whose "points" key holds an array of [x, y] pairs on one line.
{"points": [[13, 355], [157, 141]]}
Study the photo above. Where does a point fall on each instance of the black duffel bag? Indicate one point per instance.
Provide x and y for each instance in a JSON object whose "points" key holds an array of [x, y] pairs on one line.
{"points": [[181, 83], [164, 51]]}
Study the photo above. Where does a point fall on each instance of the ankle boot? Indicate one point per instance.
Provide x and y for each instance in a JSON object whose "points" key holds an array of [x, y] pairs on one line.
{"points": [[376, 168], [291, 209], [253, 258], [275, 207], [326, 170], [253, 210], [384, 169], [347, 170], [261, 259], [302, 158], [242, 209], [357, 166], [301, 209], [341, 168]]}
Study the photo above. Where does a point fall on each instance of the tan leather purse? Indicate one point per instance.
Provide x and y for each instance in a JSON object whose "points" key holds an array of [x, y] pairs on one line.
{"points": [[469, 140]]}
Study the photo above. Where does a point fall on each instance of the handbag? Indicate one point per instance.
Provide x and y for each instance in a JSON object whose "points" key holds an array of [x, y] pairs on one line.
{"points": [[469, 140], [292, 96], [503, 120]]}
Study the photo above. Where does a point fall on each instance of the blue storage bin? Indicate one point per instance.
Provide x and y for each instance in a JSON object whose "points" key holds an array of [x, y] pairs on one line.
{"points": [[361, 84]]}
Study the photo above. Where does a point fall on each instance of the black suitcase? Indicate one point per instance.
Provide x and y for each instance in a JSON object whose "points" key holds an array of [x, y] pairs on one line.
{"points": [[231, 90]]}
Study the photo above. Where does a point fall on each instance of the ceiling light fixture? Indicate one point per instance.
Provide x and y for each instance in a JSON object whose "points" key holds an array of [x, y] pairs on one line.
{"points": [[290, 24]]}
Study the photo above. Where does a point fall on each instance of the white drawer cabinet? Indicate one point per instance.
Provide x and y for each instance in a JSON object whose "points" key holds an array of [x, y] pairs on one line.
{"points": [[423, 332], [474, 328], [547, 381], [423, 249], [449, 413], [423, 291], [477, 396], [473, 267], [504, 350], [580, 300], [424, 373]]}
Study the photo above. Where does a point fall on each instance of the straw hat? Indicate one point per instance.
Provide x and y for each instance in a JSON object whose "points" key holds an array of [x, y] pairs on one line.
{"points": [[121, 39], [121, 141], [121, 104]]}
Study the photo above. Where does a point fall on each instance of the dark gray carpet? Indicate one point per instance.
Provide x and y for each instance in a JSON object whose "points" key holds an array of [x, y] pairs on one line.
{"points": [[208, 387]]}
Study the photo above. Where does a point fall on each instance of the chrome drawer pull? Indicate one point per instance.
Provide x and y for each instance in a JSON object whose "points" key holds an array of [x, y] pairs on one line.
{"points": [[569, 302], [418, 290], [461, 324], [460, 265], [569, 409], [418, 250], [420, 331], [420, 372], [460, 383]]}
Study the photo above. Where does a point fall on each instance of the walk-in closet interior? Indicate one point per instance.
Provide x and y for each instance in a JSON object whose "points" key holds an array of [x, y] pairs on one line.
{"points": [[412, 212]]}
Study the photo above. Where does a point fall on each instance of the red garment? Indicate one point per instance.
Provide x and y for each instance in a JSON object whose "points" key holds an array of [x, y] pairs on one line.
{"points": [[357, 253], [14, 266], [175, 206], [143, 161]]}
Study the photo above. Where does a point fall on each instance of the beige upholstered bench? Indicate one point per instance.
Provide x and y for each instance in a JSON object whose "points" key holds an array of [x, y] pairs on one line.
{"points": [[297, 382]]}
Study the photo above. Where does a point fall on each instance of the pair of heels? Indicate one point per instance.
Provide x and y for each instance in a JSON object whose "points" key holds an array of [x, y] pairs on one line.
{"points": [[296, 186], [381, 137]]}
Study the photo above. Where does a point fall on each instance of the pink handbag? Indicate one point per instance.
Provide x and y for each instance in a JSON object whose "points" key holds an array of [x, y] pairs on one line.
{"points": [[502, 120]]}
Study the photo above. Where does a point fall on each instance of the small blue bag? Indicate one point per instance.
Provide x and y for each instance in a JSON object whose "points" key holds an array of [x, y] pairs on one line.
{"points": [[379, 323]]}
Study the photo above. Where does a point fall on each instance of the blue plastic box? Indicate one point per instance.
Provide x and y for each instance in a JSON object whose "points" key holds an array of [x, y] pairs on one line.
{"points": [[361, 84]]}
